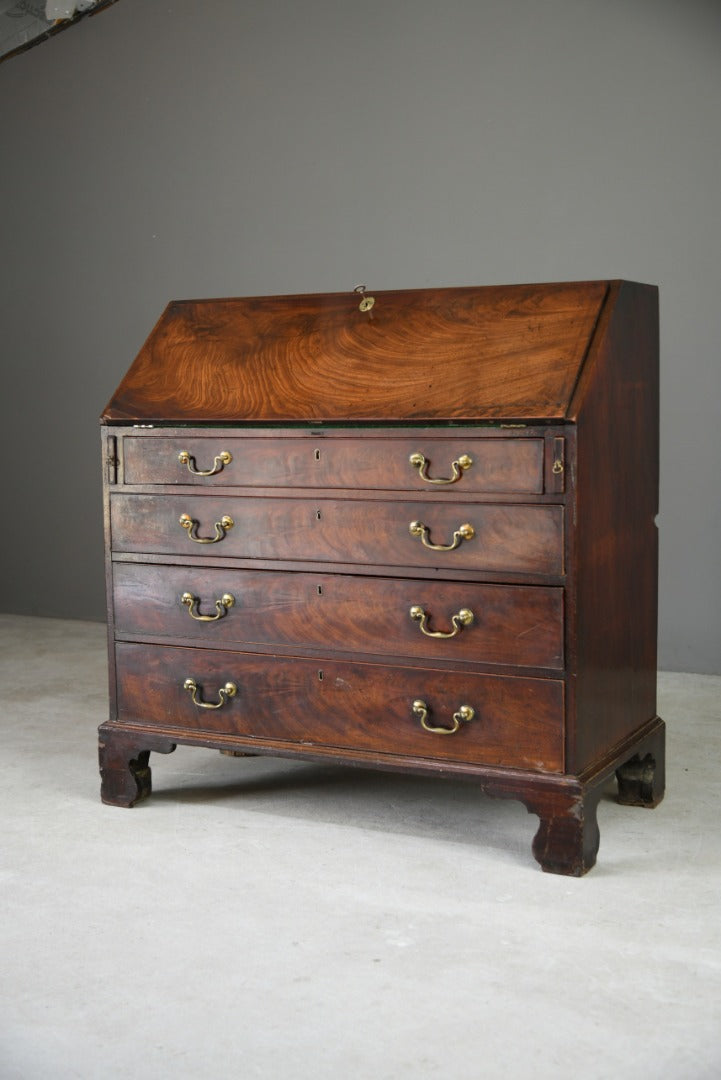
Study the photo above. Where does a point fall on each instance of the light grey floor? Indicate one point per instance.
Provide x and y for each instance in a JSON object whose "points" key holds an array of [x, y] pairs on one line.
{"points": [[262, 918]]}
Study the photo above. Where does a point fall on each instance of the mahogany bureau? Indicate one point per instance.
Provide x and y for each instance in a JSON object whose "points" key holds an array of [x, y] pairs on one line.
{"points": [[412, 531]]}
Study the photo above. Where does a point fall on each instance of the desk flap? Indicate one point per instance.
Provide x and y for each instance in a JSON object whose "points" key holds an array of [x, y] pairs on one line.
{"points": [[512, 352]]}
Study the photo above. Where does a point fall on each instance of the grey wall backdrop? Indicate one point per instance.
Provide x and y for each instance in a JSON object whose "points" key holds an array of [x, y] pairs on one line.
{"points": [[171, 150]]}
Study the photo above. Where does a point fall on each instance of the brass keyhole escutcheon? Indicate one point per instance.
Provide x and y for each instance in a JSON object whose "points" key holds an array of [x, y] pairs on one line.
{"points": [[367, 302]]}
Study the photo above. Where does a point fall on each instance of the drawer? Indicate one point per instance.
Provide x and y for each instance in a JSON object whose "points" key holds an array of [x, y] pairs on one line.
{"points": [[516, 722], [481, 464], [520, 625], [513, 538]]}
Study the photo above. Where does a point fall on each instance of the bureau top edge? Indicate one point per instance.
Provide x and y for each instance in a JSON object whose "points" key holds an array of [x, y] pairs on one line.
{"points": [[360, 428]]}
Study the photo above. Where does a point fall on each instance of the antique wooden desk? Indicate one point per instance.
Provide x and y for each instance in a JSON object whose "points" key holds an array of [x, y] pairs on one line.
{"points": [[411, 531]]}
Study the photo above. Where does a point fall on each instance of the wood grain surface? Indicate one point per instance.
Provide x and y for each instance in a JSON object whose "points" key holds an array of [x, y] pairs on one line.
{"points": [[499, 465], [436, 354], [517, 722], [513, 625], [514, 538]]}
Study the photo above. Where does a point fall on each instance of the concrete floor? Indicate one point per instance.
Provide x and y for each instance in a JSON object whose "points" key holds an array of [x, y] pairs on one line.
{"points": [[266, 918]]}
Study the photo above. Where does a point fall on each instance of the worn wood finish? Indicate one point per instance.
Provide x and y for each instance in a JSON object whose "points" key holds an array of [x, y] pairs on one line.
{"points": [[642, 777], [516, 538], [519, 626], [327, 462], [616, 539], [124, 770], [337, 703], [475, 353], [567, 839], [553, 393]]}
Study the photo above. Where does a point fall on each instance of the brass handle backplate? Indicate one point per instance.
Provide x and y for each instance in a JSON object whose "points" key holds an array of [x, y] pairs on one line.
{"points": [[225, 692], [459, 466], [221, 459], [462, 618], [221, 607], [463, 532], [221, 528], [462, 716]]}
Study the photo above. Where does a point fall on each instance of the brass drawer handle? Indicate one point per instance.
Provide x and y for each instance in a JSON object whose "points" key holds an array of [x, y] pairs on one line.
{"points": [[418, 461], [221, 528], [462, 618], [464, 714], [463, 532], [225, 692], [221, 459], [221, 606]]}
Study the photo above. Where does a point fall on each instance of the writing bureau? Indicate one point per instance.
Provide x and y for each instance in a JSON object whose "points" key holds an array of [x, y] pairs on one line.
{"points": [[412, 531]]}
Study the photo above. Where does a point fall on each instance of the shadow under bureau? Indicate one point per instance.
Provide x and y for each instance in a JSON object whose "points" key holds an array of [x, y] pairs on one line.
{"points": [[411, 531]]}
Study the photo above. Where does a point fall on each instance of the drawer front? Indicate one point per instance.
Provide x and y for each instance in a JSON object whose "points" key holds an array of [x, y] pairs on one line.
{"points": [[516, 722], [512, 538], [510, 624], [511, 465]]}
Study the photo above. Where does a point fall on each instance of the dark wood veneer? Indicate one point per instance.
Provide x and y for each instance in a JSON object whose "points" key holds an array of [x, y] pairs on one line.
{"points": [[337, 703], [500, 465], [516, 538], [515, 625], [305, 412], [439, 354]]}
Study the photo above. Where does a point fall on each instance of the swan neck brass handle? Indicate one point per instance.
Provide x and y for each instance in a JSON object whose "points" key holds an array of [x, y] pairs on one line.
{"points": [[221, 528], [221, 607], [463, 532], [462, 618], [464, 714], [225, 693], [221, 459], [459, 466]]}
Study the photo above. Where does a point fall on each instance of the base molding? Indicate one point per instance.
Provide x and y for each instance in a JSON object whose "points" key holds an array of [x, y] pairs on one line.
{"points": [[567, 839]]}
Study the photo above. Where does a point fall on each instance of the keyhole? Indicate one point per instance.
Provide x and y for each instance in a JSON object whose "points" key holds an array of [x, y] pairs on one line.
{"points": [[317, 455], [320, 676], [320, 590], [317, 514]]}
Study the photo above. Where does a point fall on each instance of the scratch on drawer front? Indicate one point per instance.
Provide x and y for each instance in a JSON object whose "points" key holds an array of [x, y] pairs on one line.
{"points": [[524, 633]]}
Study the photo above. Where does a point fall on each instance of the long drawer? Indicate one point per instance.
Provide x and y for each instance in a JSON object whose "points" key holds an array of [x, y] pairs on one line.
{"points": [[486, 719], [516, 538], [494, 624], [475, 465]]}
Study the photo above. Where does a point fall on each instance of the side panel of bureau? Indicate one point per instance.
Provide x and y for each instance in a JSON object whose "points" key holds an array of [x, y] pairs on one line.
{"points": [[614, 593]]}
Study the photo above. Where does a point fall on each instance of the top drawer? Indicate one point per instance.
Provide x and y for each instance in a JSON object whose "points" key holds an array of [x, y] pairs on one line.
{"points": [[407, 463]]}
